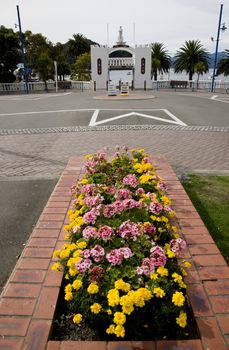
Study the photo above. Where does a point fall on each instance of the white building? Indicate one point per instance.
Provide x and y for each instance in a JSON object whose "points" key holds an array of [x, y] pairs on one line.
{"points": [[121, 63]]}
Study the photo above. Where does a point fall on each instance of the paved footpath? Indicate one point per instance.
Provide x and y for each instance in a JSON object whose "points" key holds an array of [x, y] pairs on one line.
{"points": [[46, 154]]}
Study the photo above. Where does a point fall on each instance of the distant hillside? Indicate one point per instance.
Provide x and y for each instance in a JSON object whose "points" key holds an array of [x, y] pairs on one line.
{"points": [[211, 59]]}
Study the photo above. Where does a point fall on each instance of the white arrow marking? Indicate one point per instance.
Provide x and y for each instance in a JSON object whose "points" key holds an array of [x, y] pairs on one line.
{"points": [[214, 97], [175, 120]]}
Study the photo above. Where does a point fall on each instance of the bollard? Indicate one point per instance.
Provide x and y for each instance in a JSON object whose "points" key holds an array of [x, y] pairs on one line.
{"points": [[145, 85], [94, 85], [132, 85]]}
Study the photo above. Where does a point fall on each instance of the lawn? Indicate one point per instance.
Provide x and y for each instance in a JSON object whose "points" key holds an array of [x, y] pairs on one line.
{"points": [[210, 196]]}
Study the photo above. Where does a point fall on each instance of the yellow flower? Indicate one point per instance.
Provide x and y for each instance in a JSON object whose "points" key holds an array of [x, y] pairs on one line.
{"points": [[159, 292], [77, 284], [68, 296], [178, 299], [65, 253], [184, 273], [162, 271], [67, 237], [120, 284], [113, 297], [93, 288], [182, 319], [154, 276], [56, 267], [177, 278], [127, 304], [187, 264], [166, 200], [56, 253], [77, 318], [109, 312], [120, 331], [119, 318], [111, 329], [145, 178], [84, 181], [82, 245], [96, 308]]}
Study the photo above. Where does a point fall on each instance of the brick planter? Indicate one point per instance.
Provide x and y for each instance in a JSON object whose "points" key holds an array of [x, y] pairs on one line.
{"points": [[30, 296]]}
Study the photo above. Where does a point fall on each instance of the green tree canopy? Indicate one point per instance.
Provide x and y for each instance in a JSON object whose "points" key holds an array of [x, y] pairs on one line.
{"points": [[161, 60], [77, 46], [45, 68], [10, 54], [82, 67], [35, 45], [223, 64], [58, 53], [189, 55], [200, 68]]}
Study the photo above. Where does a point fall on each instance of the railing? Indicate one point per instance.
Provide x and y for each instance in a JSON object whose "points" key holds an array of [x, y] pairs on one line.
{"points": [[202, 85], [120, 62], [7, 88]]}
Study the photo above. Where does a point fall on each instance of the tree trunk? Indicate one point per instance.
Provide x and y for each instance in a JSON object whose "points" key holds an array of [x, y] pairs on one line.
{"points": [[155, 75], [46, 86]]}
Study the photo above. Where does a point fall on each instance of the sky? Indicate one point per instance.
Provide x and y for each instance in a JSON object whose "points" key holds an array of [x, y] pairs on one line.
{"points": [[171, 22]]}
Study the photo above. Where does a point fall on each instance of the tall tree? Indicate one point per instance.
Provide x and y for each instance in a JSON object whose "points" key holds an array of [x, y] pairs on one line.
{"points": [[223, 64], [82, 67], [161, 60], [77, 46], [200, 68], [58, 53], [45, 68], [10, 54], [189, 55]]}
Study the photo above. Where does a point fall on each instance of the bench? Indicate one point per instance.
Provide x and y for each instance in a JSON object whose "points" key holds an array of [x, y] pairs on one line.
{"points": [[177, 84]]}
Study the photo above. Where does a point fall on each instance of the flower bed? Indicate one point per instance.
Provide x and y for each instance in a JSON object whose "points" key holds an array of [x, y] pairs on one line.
{"points": [[120, 266]]}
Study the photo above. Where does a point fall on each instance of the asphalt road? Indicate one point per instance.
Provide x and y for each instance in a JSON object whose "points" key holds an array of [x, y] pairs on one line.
{"points": [[77, 109], [38, 155]]}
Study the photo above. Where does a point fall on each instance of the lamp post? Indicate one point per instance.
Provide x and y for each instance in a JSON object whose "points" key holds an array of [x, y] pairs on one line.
{"points": [[223, 28], [25, 68]]}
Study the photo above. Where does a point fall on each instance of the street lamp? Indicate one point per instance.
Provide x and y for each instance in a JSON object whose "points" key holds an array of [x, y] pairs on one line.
{"points": [[25, 68], [220, 28]]}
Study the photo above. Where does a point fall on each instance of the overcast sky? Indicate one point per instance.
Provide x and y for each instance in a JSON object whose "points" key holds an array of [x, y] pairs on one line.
{"points": [[168, 21]]}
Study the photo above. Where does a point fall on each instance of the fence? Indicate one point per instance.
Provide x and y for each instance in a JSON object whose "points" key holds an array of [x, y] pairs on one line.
{"points": [[202, 85], [7, 88]]}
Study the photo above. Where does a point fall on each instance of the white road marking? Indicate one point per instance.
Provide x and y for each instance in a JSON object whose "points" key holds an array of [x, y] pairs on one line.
{"points": [[42, 112], [214, 97], [32, 98], [94, 117], [175, 120]]}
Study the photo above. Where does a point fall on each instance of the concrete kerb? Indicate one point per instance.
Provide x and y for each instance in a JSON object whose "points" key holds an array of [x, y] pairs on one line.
{"points": [[30, 296]]}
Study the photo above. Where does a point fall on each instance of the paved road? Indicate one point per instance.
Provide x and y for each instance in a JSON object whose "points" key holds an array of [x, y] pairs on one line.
{"points": [[38, 134]]}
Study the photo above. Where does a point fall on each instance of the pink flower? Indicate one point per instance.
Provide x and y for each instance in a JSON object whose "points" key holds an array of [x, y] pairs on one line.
{"points": [[91, 201], [155, 207], [130, 180], [114, 257], [162, 186], [97, 252], [126, 252], [83, 265], [139, 191], [150, 229], [129, 229], [177, 245], [131, 203], [89, 232], [88, 189], [147, 160], [91, 216], [123, 193], [86, 253], [158, 256], [146, 268], [105, 232]]}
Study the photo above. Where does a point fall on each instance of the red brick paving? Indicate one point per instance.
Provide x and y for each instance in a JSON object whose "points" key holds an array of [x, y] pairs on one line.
{"points": [[29, 298]]}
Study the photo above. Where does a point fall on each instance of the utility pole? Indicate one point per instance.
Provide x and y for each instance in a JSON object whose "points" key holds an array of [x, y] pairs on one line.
{"points": [[25, 68], [216, 49]]}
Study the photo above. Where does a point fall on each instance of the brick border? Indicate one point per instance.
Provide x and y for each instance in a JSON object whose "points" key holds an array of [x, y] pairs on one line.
{"points": [[29, 299]]}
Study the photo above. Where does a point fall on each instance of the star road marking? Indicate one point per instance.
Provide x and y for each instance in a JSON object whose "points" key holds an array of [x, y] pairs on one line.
{"points": [[173, 120]]}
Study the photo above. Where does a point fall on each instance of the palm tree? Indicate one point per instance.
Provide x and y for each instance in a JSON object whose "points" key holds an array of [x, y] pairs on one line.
{"points": [[161, 60], [200, 68], [223, 64], [189, 55]]}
